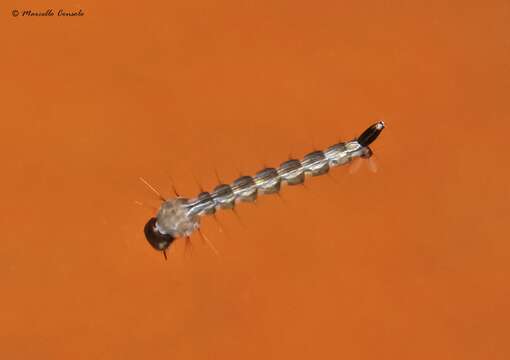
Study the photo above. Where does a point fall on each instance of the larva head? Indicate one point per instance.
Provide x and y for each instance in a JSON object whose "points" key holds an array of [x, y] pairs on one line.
{"points": [[157, 240], [369, 135]]}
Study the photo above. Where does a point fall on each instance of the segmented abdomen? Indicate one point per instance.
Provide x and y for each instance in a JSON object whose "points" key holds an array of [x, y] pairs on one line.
{"points": [[269, 180]]}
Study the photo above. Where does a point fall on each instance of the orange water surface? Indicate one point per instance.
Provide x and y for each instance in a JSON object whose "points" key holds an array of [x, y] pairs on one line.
{"points": [[411, 262]]}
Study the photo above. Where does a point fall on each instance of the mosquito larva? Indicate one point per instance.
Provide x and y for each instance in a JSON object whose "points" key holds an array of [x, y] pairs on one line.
{"points": [[180, 217]]}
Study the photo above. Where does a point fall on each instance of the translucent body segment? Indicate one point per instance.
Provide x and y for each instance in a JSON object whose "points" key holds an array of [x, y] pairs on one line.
{"points": [[354, 149], [337, 155], [223, 196], [204, 204], [244, 188], [315, 163], [292, 172], [267, 181]]}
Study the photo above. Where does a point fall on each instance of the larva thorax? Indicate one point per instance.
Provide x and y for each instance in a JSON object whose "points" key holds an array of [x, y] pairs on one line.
{"points": [[180, 217]]}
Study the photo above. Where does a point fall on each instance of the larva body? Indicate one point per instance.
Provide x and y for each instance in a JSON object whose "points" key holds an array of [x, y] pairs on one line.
{"points": [[180, 217]]}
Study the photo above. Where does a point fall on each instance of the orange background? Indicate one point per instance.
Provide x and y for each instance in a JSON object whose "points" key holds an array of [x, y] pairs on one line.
{"points": [[409, 263]]}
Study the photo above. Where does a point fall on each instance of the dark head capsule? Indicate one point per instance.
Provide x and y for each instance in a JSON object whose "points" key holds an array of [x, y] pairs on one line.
{"points": [[157, 240], [370, 134]]}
